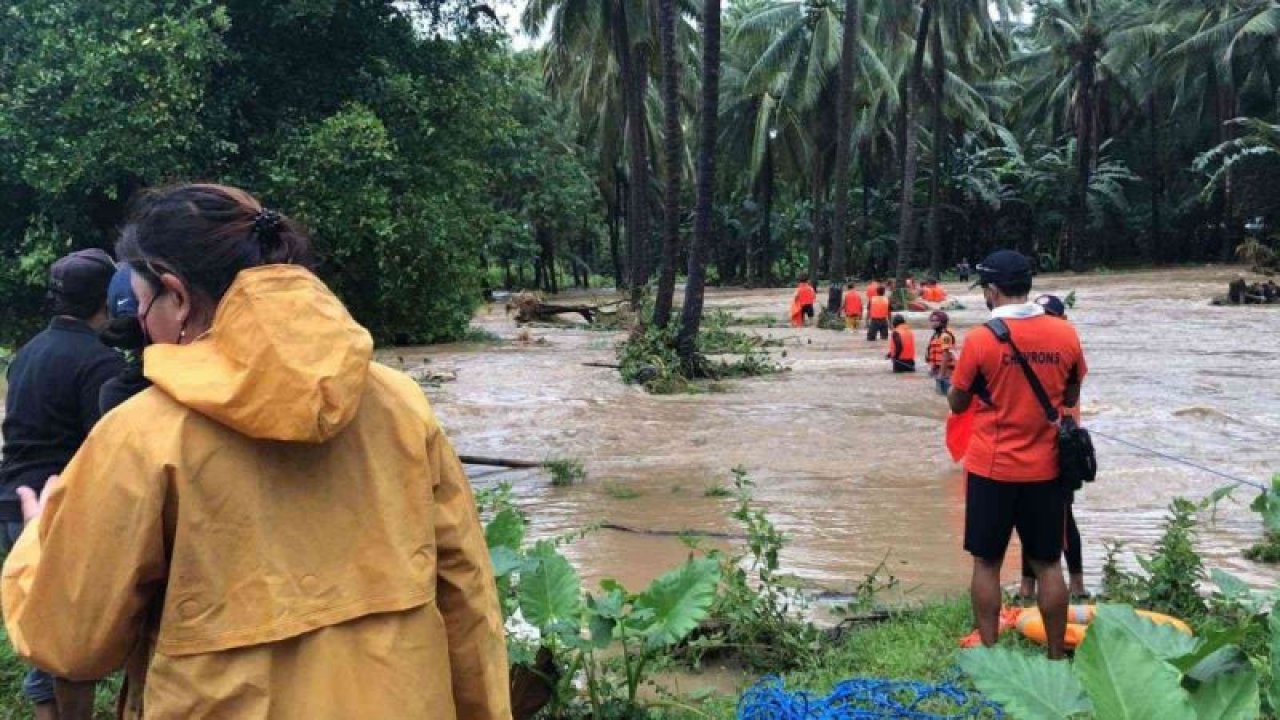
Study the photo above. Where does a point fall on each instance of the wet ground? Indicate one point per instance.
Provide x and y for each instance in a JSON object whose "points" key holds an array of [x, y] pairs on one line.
{"points": [[849, 459]]}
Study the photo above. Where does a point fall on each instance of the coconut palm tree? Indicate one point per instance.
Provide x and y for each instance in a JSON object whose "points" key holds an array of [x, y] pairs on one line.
{"points": [[580, 30], [673, 148], [691, 318]]}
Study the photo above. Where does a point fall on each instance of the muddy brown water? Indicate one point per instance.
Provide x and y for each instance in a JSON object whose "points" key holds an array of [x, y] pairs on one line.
{"points": [[849, 459]]}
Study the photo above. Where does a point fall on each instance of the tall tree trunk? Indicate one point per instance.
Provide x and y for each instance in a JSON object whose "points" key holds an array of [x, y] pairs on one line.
{"points": [[1157, 178], [633, 108], [852, 28], [615, 220], [686, 343], [910, 153], [673, 143], [864, 161], [765, 261], [817, 196], [939, 149], [1078, 247]]}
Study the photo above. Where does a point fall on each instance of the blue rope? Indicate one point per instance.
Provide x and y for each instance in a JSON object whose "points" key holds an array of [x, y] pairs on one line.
{"points": [[866, 699], [1182, 461]]}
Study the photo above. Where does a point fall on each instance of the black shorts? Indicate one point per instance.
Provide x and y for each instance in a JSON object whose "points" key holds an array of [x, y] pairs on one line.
{"points": [[806, 310], [993, 510]]}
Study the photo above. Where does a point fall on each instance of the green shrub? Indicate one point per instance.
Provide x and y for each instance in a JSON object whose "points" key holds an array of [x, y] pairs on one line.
{"points": [[565, 471]]}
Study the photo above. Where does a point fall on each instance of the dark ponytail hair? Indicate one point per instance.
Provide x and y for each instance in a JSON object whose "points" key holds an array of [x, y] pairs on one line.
{"points": [[206, 234]]}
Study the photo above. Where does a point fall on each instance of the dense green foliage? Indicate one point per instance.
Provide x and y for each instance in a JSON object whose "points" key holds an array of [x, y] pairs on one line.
{"points": [[405, 135], [430, 160]]}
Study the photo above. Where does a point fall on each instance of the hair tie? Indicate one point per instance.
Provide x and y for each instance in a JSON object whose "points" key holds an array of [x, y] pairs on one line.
{"points": [[266, 225]]}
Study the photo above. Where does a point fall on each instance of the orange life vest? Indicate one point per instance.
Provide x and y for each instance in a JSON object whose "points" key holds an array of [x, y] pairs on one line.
{"points": [[908, 340], [805, 294], [852, 304], [879, 307], [938, 345]]}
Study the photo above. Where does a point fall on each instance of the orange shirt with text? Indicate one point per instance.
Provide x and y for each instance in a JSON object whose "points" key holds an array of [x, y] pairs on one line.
{"points": [[1012, 440]]}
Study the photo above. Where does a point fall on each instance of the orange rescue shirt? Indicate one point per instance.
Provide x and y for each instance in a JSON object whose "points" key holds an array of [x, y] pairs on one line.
{"points": [[852, 304], [1012, 440], [879, 307], [805, 294]]}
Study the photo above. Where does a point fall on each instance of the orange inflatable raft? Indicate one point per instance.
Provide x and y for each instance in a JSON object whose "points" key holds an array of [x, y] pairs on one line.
{"points": [[1031, 625], [1028, 622]]}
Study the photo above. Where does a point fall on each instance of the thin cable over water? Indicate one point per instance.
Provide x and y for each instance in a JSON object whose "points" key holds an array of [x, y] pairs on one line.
{"points": [[1180, 460]]}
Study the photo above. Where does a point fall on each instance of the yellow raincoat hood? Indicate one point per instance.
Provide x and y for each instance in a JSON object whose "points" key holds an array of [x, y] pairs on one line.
{"points": [[284, 360]]}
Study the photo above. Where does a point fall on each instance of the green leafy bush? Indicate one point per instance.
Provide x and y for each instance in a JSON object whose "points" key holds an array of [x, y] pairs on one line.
{"points": [[1267, 504]]}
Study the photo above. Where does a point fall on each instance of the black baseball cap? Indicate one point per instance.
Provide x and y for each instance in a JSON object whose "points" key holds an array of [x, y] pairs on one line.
{"points": [[1002, 267], [82, 277], [1052, 305]]}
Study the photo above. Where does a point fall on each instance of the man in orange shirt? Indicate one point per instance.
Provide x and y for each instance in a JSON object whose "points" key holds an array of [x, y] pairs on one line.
{"points": [[852, 307], [872, 289], [902, 346], [878, 316], [802, 304], [1012, 458]]}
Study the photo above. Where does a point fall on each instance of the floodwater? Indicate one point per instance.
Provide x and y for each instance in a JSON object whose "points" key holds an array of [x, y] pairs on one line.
{"points": [[847, 458]]}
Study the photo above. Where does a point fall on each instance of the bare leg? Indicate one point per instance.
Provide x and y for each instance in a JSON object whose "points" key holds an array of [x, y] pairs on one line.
{"points": [[1027, 589], [75, 699], [984, 591], [46, 711], [1052, 600], [1077, 584]]}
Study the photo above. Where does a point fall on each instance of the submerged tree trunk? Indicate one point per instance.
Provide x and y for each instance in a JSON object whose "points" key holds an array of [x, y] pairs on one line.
{"points": [[851, 25], [673, 143], [910, 153], [633, 108], [691, 319], [939, 149]]}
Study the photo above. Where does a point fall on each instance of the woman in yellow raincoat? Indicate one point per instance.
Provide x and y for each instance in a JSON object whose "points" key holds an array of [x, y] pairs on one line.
{"points": [[278, 528]]}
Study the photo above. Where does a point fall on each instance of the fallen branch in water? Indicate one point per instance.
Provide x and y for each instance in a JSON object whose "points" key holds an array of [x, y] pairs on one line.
{"points": [[611, 366], [671, 533], [499, 462]]}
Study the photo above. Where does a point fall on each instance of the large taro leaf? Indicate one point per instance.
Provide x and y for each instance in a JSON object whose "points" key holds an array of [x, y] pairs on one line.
{"points": [[550, 593], [1164, 641], [1121, 667], [1228, 695], [506, 529], [676, 602], [1026, 686]]}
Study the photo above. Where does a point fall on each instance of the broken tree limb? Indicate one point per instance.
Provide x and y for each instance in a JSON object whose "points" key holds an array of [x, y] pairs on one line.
{"points": [[670, 533], [499, 462], [611, 366]]}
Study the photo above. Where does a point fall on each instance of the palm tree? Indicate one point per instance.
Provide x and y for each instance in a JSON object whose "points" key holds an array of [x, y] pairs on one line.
{"points": [[850, 32], [910, 153], [673, 149], [581, 30], [686, 342]]}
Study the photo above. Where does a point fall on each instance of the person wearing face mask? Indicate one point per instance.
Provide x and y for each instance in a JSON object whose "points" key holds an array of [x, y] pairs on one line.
{"points": [[51, 406], [1012, 460], [277, 527]]}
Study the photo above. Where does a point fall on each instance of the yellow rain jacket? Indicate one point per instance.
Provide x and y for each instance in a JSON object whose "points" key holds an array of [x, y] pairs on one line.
{"points": [[277, 529]]}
